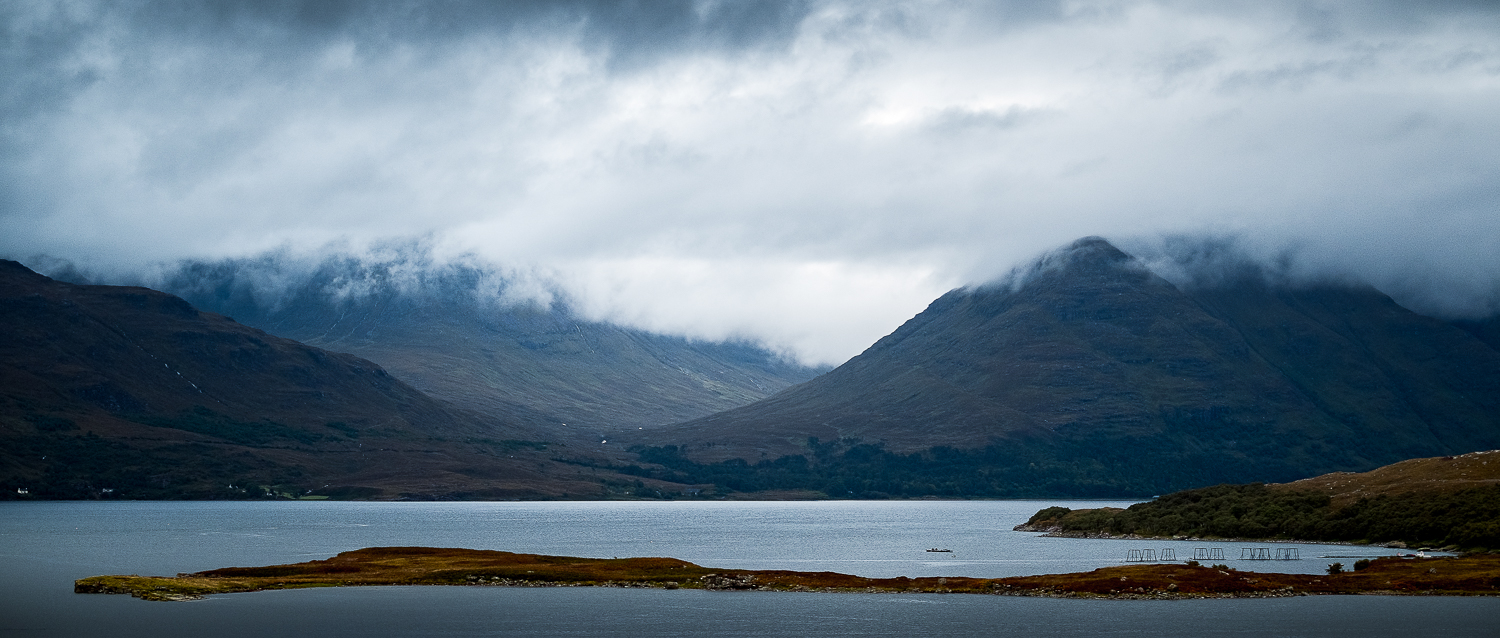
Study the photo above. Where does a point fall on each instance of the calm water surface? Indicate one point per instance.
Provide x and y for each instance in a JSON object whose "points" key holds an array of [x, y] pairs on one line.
{"points": [[45, 546]]}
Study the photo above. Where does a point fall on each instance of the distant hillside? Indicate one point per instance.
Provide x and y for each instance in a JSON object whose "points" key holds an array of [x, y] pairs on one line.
{"points": [[1450, 500], [442, 329], [122, 392], [1088, 375]]}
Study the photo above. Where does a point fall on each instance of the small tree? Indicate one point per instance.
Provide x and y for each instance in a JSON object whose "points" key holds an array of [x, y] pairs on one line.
{"points": [[1335, 568], [1361, 564]]}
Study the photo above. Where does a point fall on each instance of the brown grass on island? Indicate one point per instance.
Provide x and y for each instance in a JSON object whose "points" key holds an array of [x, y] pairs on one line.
{"points": [[1434, 475], [1470, 575]]}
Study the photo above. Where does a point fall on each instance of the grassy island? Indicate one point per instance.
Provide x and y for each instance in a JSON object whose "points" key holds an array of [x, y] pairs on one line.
{"points": [[1473, 575]]}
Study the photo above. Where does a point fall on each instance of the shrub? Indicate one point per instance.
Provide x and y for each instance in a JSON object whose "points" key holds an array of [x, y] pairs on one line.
{"points": [[1335, 568]]}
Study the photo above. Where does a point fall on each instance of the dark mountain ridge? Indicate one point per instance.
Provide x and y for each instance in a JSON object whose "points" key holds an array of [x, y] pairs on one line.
{"points": [[110, 391], [1090, 375]]}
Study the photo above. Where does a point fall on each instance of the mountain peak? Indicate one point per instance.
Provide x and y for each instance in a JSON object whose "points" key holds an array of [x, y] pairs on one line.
{"points": [[1089, 255], [1092, 242], [1090, 263]]}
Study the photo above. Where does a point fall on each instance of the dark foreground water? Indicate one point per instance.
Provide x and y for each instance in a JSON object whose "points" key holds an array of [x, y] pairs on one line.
{"points": [[473, 611], [45, 546]]}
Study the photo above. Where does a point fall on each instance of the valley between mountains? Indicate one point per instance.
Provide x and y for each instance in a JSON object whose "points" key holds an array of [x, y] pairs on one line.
{"points": [[1084, 375]]}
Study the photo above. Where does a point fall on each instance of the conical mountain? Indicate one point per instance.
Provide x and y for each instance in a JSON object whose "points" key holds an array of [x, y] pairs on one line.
{"points": [[1087, 374]]}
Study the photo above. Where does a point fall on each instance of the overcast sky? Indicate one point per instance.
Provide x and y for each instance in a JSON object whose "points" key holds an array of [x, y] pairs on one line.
{"points": [[809, 174]]}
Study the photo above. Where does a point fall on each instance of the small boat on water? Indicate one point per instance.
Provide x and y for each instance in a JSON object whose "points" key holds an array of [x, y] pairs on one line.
{"points": [[940, 550]]}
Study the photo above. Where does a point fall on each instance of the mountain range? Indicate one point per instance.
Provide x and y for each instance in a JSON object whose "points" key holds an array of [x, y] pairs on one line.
{"points": [[1084, 374], [447, 331], [1089, 375]]}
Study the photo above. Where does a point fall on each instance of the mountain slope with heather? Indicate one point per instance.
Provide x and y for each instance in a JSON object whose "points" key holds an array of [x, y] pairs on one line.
{"points": [[110, 391], [1089, 375]]}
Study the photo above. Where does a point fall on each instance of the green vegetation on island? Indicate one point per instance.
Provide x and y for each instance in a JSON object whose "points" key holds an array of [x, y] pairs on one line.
{"points": [[1469, 519], [1445, 501]]}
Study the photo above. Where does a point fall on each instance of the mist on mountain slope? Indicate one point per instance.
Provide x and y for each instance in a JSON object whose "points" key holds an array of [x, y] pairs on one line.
{"points": [[495, 342]]}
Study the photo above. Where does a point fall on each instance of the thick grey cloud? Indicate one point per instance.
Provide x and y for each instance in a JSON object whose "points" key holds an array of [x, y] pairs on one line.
{"points": [[805, 173]]}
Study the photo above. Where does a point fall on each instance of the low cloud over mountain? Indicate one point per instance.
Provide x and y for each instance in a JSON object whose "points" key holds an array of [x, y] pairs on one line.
{"points": [[1089, 375], [805, 173]]}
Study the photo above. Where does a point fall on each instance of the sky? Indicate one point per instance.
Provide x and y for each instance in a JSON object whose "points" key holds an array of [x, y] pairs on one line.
{"points": [[807, 174]]}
